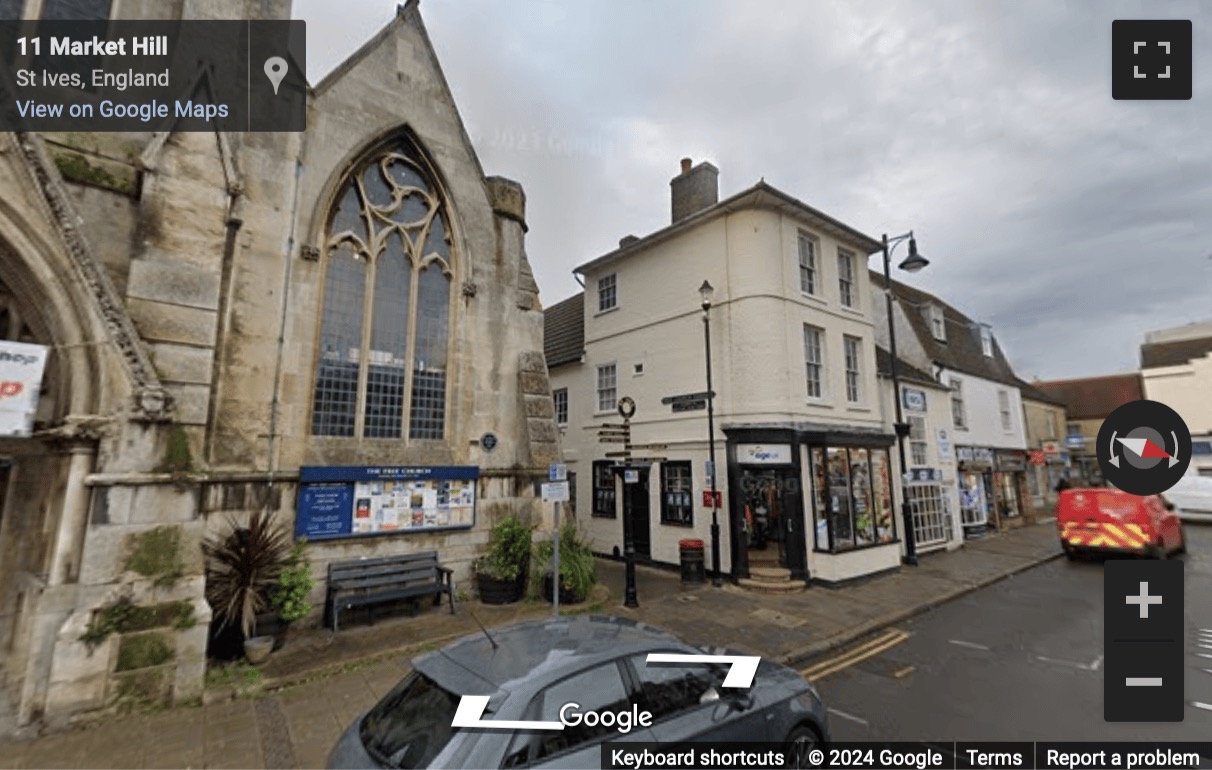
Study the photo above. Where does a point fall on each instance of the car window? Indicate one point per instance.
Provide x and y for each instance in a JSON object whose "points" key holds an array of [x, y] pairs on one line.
{"points": [[411, 724], [670, 688], [597, 689]]}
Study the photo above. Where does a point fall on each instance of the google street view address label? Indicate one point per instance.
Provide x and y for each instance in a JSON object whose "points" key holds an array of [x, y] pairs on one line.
{"points": [[153, 76]]}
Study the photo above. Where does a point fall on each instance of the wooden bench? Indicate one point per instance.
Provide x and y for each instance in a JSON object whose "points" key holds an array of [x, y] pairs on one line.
{"points": [[370, 582]]}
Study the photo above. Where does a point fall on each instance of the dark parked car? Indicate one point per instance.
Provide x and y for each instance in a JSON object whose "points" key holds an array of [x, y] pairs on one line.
{"points": [[532, 671]]}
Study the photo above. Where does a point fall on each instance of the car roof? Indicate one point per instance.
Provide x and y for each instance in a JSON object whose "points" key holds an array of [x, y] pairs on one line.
{"points": [[538, 652]]}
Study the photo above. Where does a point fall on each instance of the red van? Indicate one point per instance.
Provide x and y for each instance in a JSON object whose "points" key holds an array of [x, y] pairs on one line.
{"points": [[1111, 521]]}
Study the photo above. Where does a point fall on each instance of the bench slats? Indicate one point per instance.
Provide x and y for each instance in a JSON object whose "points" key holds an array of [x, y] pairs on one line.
{"points": [[361, 569], [400, 573], [359, 600], [366, 582], [431, 556], [387, 580]]}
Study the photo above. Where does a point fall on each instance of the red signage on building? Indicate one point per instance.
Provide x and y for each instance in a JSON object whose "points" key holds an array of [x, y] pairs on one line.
{"points": [[719, 499], [1036, 457]]}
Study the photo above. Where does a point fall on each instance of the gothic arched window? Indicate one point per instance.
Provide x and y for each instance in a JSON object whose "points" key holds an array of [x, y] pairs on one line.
{"points": [[385, 327]]}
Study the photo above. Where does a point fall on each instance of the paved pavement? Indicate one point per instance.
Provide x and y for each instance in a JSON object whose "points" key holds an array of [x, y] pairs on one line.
{"points": [[319, 682]]}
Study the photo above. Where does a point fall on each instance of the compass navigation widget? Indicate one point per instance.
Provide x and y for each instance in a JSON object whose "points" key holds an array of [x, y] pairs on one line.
{"points": [[1144, 448]]}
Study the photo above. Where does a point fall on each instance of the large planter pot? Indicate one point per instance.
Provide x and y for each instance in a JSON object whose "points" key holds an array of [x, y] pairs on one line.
{"points": [[566, 596], [493, 591], [258, 649]]}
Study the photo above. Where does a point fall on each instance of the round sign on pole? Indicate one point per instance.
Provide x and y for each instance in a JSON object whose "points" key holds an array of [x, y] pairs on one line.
{"points": [[626, 407]]}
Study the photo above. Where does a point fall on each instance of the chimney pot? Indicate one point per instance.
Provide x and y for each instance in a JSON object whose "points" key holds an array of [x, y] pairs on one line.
{"points": [[686, 163]]}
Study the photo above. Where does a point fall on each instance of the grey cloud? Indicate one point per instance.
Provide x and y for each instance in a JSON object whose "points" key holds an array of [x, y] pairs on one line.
{"points": [[1071, 222]]}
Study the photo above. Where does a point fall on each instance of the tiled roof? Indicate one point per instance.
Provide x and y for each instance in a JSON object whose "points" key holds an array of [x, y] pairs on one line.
{"points": [[1032, 393], [1174, 353], [564, 331], [961, 352], [904, 371], [1093, 398]]}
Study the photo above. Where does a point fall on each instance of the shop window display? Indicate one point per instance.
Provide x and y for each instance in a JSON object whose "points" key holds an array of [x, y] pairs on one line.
{"points": [[853, 504]]}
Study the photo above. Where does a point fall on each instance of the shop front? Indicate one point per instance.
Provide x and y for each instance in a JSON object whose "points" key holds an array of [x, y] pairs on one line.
{"points": [[816, 502], [975, 467], [1009, 481], [767, 506]]}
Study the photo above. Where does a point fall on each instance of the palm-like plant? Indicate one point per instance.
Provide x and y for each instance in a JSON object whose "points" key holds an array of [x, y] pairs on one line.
{"points": [[242, 569]]}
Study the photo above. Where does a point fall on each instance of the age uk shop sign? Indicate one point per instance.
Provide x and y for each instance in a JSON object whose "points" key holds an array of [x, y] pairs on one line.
{"points": [[21, 366], [355, 501]]}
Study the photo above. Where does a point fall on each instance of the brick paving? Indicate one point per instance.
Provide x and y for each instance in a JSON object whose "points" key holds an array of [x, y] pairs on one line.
{"points": [[320, 682]]}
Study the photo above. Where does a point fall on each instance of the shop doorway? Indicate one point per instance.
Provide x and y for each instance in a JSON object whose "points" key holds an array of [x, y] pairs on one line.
{"points": [[1009, 504], [975, 497], [773, 519], [641, 519]]}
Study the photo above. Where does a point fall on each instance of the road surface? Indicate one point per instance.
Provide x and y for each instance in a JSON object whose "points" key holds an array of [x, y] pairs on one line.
{"points": [[1021, 660]]}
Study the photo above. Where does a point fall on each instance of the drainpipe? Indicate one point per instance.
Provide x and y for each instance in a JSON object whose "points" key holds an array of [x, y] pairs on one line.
{"points": [[275, 403]]}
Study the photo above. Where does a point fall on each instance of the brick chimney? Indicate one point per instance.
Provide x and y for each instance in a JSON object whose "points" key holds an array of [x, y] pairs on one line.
{"points": [[695, 189]]}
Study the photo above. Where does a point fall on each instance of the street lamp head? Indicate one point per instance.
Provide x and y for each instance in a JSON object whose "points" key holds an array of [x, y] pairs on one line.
{"points": [[914, 261], [705, 291]]}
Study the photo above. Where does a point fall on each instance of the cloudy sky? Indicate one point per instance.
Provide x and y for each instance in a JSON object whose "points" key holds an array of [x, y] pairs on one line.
{"points": [[1071, 222]]}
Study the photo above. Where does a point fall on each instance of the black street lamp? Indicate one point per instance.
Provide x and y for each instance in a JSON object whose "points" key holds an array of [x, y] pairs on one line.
{"points": [[705, 291], [912, 264]]}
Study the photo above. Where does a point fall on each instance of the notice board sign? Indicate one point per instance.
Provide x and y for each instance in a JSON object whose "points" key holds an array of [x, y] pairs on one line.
{"points": [[357, 501]]}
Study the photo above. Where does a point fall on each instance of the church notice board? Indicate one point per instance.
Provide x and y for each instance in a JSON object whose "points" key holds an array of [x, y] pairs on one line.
{"points": [[357, 501]]}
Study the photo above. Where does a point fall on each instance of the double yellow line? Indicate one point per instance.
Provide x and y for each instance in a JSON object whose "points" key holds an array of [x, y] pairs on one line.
{"points": [[868, 649]]}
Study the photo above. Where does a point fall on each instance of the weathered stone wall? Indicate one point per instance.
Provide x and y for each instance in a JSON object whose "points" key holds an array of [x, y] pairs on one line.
{"points": [[185, 262]]}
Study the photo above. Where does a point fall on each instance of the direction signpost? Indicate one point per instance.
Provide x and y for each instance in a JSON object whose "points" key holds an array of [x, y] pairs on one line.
{"points": [[615, 433], [669, 400]]}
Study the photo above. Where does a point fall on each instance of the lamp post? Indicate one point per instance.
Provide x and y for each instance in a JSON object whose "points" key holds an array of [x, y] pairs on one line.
{"points": [[912, 264], [705, 291]]}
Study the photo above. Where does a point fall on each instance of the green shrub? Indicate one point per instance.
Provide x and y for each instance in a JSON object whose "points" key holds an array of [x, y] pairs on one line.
{"points": [[242, 568], [289, 597], [509, 554], [578, 570]]}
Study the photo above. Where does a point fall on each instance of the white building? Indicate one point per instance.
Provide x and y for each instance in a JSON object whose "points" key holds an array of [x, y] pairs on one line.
{"points": [[1176, 369], [986, 405], [804, 453], [931, 487]]}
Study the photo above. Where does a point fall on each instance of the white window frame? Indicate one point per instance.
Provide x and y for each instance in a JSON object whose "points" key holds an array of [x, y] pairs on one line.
{"points": [[846, 290], [918, 444], [938, 323], [854, 368], [608, 292], [986, 341], [808, 262], [931, 513], [559, 397], [819, 364], [612, 388], [959, 415], [1003, 406]]}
